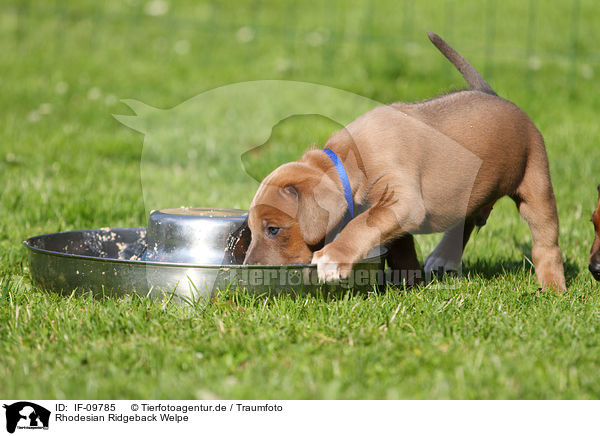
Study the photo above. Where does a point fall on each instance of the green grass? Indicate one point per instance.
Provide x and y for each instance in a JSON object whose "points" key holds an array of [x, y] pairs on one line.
{"points": [[66, 163], [476, 342]]}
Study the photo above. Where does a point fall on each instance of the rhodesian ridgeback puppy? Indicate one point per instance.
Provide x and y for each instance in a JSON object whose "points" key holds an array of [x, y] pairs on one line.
{"points": [[404, 169], [595, 252]]}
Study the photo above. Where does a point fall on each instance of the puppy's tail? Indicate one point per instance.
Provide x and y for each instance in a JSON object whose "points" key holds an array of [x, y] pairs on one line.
{"points": [[471, 75]]}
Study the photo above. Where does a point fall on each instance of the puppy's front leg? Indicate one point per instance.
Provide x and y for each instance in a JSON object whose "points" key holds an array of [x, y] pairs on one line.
{"points": [[397, 209]]}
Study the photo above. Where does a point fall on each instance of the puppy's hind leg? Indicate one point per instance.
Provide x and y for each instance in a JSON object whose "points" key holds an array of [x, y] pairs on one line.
{"points": [[536, 204]]}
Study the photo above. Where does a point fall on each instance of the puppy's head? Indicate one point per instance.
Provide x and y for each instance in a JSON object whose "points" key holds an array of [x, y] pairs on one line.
{"points": [[595, 252], [295, 208]]}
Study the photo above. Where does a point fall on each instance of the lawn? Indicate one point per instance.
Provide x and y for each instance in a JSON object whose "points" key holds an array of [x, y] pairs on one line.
{"points": [[66, 163]]}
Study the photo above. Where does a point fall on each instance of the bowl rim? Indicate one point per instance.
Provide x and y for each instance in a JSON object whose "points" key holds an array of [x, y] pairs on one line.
{"points": [[29, 244], [236, 213]]}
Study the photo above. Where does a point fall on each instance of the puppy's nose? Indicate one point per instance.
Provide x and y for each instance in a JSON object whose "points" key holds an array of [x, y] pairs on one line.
{"points": [[595, 270]]}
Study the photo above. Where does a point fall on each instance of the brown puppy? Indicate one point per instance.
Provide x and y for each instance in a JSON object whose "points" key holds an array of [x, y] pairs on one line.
{"points": [[595, 252], [433, 166]]}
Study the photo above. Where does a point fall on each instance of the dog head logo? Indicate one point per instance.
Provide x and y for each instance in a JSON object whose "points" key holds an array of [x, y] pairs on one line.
{"points": [[26, 415], [226, 127]]}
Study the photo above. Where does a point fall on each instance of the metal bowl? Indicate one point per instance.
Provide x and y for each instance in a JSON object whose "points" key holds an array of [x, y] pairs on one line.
{"points": [[113, 261], [197, 236]]}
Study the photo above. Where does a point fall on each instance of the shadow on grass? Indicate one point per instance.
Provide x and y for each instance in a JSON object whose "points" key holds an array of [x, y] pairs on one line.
{"points": [[492, 270]]}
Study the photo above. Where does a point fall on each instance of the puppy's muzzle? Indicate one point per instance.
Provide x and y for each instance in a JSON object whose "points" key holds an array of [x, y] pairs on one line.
{"points": [[595, 270]]}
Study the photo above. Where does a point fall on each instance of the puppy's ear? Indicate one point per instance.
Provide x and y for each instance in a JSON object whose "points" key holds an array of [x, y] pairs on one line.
{"points": [[599, 190], [321, 207]]}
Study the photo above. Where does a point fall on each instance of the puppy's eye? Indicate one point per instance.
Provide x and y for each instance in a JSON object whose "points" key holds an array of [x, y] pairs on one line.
{"points": [[273, 231]]}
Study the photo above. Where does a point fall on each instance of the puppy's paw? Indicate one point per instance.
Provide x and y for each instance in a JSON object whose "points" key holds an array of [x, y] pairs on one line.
{"points": [[327, 270], [438, 263], [331, 265]]}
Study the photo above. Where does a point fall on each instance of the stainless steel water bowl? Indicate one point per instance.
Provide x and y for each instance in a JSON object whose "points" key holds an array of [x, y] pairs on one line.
{"points": [[187, 252], [197, 236]]}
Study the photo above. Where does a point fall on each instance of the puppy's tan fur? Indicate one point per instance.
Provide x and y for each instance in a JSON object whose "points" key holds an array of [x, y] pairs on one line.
{"points": [[433, 166], [595, 252]]}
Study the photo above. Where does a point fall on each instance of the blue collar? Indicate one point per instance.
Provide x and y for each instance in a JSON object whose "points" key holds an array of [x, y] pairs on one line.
{"points": [[339, 167]]}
